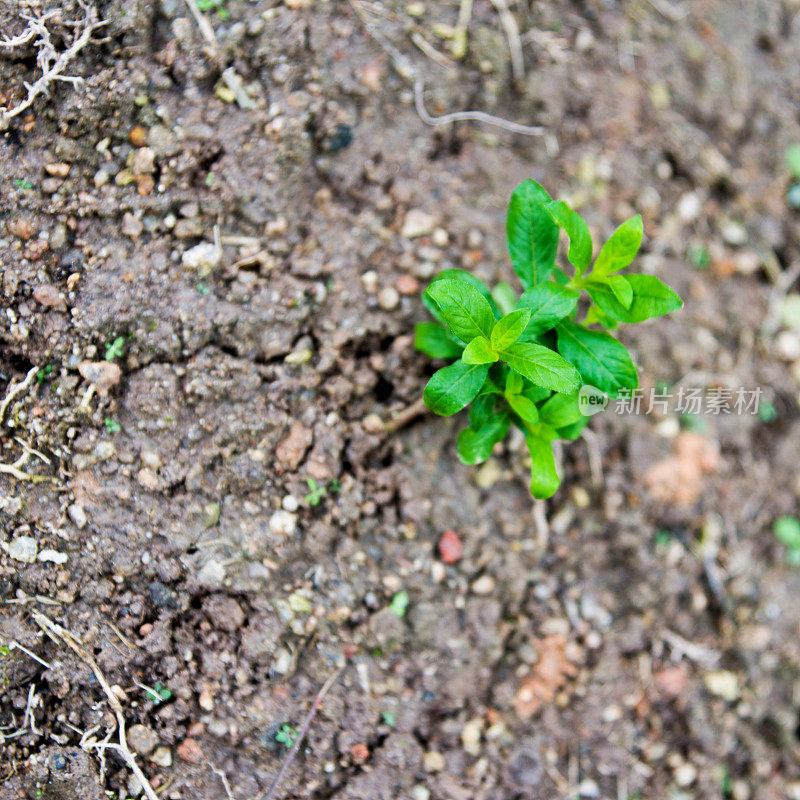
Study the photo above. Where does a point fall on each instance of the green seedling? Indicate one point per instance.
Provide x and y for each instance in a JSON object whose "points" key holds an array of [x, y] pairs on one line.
{"points": [[158, 694], [399, 604], [316, 493], [525, 361], [112, 426], [24, 184], [115, 349], [767, 412], [218, 6], [44, 373], [286, 735], [787, 531], [390, 718], [793, 165]]}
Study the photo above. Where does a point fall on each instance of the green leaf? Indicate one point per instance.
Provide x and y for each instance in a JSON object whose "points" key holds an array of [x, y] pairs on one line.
{"points": [[435, 341], [621, 288], [548, 303], [505, 297], [525, 409], [453, 387], [535, 393], [792, 160], [479, 351], [482, 410], [465, 310], [572, 432], [600, 358], [621, 247], [475, 445], [543, 366], [561, 410], [787, 531], [514, 383], [651, 298], [544, 478], [464, 277], [399, 604], [509, 328], [532, 235], [580, 240]]}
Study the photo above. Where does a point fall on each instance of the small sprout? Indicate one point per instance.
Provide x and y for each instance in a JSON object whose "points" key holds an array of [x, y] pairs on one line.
{"points": [[4, 650], [44, 373], [787, 531], [112, 426], [115, 349], [24, 184], [202, 288], [316, 493], [399, 604], [287, 735], [530, 361], [334, 487], [158, 694], [767, 412], [390, 718], [699, 256], [662, 538]]}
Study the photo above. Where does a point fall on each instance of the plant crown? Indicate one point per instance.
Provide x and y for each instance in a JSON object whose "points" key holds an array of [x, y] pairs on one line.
{"points": [[522, 360]]}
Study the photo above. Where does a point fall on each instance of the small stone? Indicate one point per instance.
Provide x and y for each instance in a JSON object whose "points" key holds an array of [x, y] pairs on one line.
{"points": [[150, 459], [689, 207], [370, 280], [77, 515], [433, 761], [747, 262], [147, 479], [417, 223], [101, 178], [290, 503], [407, 285], [21, 227], [204, 257], [420, 792], [211, 513], [291, 450], [298, 357], [282, 663], [372, 423], [388, 298], [223, 612], [283, 523], [162, 756], [211, 574], [483, 585], [206, 699], [451, 548], [189, 750], [787, 345], [588, 788], [685, 775], [53, 556], [144, 162], [137, 136], [471, 736], [488, 475], [142, 739], [474, 239], [790, 314], [103, 374], [722, 683], [57, 170], [132, 226], [416, 9], [23, 548], [440, 237], [359, 752], [48, 295], [612, 713], [734, 234]]}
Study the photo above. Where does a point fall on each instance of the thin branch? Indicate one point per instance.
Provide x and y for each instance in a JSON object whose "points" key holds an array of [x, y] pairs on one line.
{"points": [[290, 756], [205, 26], [402, 418], [15, 389], [512, 34]]}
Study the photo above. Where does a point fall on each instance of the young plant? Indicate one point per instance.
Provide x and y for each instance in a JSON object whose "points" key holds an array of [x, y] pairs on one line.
{"points": [[523, 360]]}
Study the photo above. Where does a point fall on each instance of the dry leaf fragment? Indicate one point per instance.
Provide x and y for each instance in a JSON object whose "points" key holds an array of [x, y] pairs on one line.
{"points": [[548, 675]]}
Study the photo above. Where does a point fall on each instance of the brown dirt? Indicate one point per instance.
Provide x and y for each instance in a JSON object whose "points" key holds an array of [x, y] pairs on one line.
{"points": [[195, 565]]}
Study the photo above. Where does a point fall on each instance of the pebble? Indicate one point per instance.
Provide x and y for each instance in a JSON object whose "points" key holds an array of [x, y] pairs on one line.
{"points": [[142, 739], [223, 612], [137, 136], [451, 548], [483, 585], [147, 479], [747, 262], [689, 207], [407, 285], [206, 699], [488, 475], [685, 775], [417, 223], [722, 683], [162, 756], [588, 788], [370, 280], [734, 234], [290, 503], [612, 713], [283, 523], [282, 663], [20, 227], [150, 459], [132, 226], [103, 374], [420, 792], [474, 239], [53, 556], [203, 257], [211, 574], [440, 237], [211, 513], [189, 750], [77, 515], [388, 298], [48, 295], [372, 423], [787, 345], [290, 450], [471, 736], [23, 548], [433, 761]]}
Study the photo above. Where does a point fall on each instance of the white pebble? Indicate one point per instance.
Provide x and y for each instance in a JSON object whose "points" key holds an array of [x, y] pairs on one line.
{"points": [[53, 556], [23, 548], [484, 585], [290, 503], [283, 523], [77, 515], [388, 298]]}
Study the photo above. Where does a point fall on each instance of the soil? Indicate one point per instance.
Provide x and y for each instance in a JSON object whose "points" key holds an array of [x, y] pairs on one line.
{"points": [[644, 645]]}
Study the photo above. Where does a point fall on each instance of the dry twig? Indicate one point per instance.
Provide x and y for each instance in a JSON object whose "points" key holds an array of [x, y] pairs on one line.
{"points": [[63, 636], [512, 34]]}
